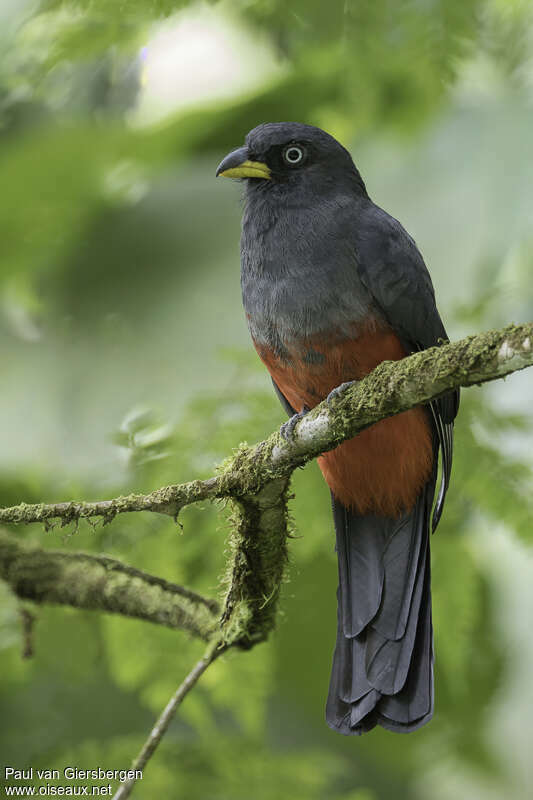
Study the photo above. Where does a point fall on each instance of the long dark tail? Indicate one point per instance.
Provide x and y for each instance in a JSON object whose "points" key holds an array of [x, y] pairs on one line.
{"points": [[383, 662]]}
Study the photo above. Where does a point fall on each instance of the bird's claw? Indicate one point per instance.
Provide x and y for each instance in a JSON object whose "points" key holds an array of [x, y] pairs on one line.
{"points": [[287, 428], [334, 394]]}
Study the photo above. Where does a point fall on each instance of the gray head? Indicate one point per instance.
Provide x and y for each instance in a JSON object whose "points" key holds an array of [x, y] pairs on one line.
{"points": [[286, 155]]}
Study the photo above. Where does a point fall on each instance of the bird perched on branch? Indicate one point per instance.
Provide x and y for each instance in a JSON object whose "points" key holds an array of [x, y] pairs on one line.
{"points": [[332, 285]]}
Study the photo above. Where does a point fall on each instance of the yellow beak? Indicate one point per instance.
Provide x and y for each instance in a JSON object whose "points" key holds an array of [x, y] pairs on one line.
{"points": [[238, 165]]}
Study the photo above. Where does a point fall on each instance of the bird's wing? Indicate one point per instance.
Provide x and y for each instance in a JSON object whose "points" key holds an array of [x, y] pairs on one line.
{"points": [[392, 269]]}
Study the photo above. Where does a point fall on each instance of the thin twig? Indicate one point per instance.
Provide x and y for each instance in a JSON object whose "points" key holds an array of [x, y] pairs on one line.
{"points": [[165, 718]]}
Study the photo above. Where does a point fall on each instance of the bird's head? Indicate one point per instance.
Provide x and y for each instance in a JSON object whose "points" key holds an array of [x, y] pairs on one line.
{"points": [[290, 154]]}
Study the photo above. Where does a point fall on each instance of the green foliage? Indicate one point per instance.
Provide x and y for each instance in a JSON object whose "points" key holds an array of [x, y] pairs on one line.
{"points": [[344, 70], [114, 9]]}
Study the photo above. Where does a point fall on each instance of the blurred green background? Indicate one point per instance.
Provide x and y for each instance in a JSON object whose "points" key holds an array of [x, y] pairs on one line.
{"points": [[126, 364]]}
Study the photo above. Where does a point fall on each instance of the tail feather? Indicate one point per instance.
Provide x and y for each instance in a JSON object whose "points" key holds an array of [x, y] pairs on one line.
{"points": [[400, 563], [413, 706], [360, 567], [383, 662], [388, 660]]}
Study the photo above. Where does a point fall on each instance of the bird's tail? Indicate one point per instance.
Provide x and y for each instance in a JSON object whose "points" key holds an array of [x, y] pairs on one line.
{"points": [[383, 662]]}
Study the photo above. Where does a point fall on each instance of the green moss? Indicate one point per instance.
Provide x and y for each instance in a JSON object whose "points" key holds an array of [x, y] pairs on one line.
{"points": [[257, 546], [85, 581]]}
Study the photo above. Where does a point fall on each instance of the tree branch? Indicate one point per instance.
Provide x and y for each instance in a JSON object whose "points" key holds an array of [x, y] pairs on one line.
{"points": [[167, 500], [102, 583], [393, 387], [165, 718]]}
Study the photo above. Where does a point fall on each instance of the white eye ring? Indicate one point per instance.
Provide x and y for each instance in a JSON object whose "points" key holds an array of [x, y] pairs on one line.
{"points": [[293, 155]]}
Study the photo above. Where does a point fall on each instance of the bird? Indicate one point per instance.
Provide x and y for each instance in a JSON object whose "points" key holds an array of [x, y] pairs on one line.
{"points": [[332, 285]]}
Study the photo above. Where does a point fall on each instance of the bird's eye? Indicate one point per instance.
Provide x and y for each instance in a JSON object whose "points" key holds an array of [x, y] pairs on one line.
{"points": [[293, 155]]}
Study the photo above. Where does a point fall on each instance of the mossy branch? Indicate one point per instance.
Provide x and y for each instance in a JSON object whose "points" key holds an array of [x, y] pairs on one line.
{"points": [[393, 387], [256, 479], [258, 541], [101, 583]]}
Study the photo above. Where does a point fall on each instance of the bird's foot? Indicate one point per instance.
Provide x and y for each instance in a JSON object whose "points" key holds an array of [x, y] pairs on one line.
{"points": [[287, 428], [334, 394]]}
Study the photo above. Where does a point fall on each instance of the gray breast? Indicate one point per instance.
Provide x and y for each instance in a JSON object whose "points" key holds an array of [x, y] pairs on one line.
{"points": [[299, 271]]}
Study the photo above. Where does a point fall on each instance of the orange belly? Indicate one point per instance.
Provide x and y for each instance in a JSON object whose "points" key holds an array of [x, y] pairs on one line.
{"points": [[384, 468]]}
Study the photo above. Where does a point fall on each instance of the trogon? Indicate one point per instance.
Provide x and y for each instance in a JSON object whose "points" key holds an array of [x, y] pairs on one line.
{"points": [[332, 285]]}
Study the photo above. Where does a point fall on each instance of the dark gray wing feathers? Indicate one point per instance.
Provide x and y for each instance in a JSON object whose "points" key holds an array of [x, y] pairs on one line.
{"points": [[392, 269]]}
